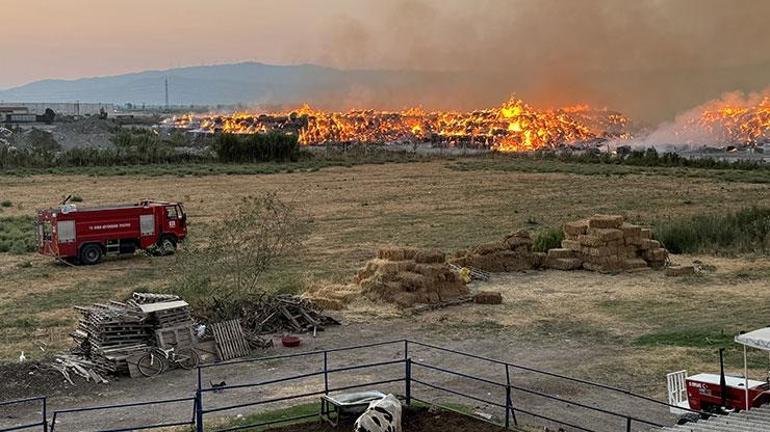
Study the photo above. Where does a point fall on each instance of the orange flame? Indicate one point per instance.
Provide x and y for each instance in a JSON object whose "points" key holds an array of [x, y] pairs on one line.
{"points": [[513, 126]]}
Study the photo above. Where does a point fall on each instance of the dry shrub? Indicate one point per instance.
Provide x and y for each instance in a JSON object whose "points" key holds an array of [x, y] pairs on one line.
{"points": [[216, 275]]}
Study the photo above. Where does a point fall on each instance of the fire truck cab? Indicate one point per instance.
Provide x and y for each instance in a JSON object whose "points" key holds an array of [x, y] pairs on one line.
{"points": [[86, 235]]}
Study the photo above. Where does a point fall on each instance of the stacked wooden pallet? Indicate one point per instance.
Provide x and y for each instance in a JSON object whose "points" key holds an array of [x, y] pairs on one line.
{"points": [[108, 334]]}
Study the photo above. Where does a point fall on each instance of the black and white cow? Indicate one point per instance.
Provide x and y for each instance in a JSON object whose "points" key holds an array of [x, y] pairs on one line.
{"points": [[383, 415]]}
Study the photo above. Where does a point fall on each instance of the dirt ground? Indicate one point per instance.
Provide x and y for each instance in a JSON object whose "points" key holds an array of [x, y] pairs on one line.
{"points": [[626, 330], [415, 420]]}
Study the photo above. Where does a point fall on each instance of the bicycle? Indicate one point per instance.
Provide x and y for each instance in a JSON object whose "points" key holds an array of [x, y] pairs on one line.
{"points": [[157, 360]]}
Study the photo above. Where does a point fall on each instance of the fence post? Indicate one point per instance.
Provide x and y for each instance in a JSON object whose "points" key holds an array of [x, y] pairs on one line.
{"points": [[628, 424], [507, 406], [508, 400], [326, 372], [199, 405], [408, 381], [45, 415]]}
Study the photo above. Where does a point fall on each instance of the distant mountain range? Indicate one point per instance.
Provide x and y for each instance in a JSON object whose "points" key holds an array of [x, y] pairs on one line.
{"points": [[246, 83], [647, 95]]}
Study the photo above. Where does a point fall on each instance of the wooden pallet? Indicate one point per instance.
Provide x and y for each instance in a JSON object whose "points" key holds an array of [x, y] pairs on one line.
{"points": [[177, 336], [230, 341]]}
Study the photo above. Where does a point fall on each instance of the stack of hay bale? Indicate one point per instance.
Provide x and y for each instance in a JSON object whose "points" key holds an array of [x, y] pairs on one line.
{"points": [[513, 253], [406, 276], [606, 243]]}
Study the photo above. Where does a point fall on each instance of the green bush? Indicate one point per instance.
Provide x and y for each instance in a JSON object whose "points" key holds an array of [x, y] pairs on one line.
{"points": [[6, 204], [548, 238], [745, 231]]}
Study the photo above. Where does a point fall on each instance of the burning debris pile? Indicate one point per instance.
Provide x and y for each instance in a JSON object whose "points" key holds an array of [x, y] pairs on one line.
{"points": [[513, 126], [406, 276], [735, 121], [607, 244], [744, 124]]}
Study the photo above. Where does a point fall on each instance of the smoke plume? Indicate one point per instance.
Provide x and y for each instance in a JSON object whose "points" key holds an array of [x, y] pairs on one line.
{"points": [[648, 58]]}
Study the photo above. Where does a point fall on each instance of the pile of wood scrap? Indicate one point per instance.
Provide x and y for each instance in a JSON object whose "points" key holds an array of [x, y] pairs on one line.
{"points": [[70, 365], [282, 313], [108, 334]]}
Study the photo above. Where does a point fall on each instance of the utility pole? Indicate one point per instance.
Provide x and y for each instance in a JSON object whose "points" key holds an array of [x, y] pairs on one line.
{"points": [[165, 82]]}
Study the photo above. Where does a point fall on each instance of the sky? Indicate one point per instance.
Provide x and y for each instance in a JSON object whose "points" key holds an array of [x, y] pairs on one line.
{"points": [[563, 44]]}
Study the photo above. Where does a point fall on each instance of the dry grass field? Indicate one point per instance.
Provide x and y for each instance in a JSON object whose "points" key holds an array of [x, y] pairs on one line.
{"points": [[649, 322]]}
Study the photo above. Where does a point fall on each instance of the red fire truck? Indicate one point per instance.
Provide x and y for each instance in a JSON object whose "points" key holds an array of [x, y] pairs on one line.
{"points": [[86, 235]]}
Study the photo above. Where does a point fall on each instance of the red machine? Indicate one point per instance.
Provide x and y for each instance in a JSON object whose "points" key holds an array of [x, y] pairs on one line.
{"points": [[87, 235], [704, 392]]}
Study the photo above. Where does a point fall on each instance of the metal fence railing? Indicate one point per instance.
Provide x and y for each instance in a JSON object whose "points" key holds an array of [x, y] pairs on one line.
{"points": [[43, 424], [419, 379], [151, 425]]}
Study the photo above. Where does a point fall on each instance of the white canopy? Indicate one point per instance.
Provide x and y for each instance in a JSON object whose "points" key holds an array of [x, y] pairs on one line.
{"points": [[759, 339]]}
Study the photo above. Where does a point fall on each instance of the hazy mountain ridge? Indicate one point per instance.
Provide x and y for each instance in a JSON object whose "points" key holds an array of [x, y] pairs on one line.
{"points": [[218, 84]]}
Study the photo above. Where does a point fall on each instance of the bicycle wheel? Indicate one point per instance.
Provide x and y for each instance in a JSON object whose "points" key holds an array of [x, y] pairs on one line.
{"points": [[187, 358], [151, 364]]}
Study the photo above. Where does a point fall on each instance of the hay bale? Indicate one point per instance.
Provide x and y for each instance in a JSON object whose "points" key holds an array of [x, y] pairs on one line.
{"points": [[384, 266], [645, 233], [519, 239], [488, 297], [590, 241], [564, 263], [576, 228], [631, 230], [647, 244], [605, 221], [391, 253], [430, 256], [488, 248], [602, 251], [412, 281], [675, 271], [560, 253], [606, 234], [633, 241], [656, 255]]}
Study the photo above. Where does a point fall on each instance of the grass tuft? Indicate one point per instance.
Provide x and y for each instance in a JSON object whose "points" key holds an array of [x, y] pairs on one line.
{"points": [[548, 238]]}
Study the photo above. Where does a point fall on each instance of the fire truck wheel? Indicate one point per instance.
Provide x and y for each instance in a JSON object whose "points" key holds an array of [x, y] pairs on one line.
{"points": [[167, 245], [90, 254]]}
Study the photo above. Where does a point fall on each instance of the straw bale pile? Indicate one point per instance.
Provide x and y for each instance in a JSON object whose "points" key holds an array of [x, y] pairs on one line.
{"points": [[606, 243], [513, 253], [406, 276]]}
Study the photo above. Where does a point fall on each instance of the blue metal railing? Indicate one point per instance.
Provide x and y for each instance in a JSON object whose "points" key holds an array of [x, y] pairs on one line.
{"points": [[325, 373], [42, 423], [325, 387], [130, 405]]}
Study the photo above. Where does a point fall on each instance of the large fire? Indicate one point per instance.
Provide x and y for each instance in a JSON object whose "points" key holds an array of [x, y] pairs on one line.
{"points": [[736, 124], [513, 126]]}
